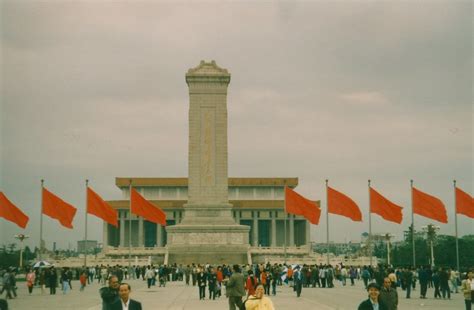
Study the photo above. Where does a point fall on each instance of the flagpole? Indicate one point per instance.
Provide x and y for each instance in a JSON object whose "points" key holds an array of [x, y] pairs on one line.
{"points": [[370, 228], [284, 206], [85, 228], [327, 222], [456, 225], [412, 226], [41, 223], [130, 227]]}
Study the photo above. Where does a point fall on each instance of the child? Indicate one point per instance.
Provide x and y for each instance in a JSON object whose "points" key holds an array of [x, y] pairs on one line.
{"points": [[83, 280]]}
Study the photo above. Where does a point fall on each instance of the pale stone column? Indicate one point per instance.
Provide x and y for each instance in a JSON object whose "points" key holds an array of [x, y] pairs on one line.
{"points": [[159, 235], [122, 229], [255, 229], [274, 234], [141, 232], [105, 236], [292, 230], [237, 217]]}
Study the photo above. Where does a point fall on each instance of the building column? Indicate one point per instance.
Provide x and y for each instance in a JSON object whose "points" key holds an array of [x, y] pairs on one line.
{"points": [[159, 235], [237, 217], [141, 232], [255, 229], [122, 229], [292, 230], [274, 233], [105, 236]]}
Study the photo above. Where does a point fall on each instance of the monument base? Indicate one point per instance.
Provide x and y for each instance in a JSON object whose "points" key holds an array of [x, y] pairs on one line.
{"points": [[213, 244]]}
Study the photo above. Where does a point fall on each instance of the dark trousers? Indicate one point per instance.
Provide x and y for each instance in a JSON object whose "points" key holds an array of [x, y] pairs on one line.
{"points": [[408, 289], [202, 292], [235, 301], [212, 291], [274, 286], [352, 281], [437, 292], [366, 281], [323, 282], [267, 288], [298, 289], [468, 304], [445, 289], [52, 289], [423, 289], [149, 281]]}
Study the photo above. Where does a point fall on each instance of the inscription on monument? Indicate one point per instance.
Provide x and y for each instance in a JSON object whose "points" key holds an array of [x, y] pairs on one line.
{"points": [[208, 147]]}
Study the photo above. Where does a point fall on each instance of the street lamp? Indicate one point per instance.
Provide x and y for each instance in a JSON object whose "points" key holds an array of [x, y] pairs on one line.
{"points": [[21, 237], [387, 238], [431, 231]]}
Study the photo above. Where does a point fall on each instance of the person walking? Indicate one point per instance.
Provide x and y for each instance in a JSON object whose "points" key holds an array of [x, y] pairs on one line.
{"points": [[436, 284], [423, 278], [52, 281], [149, 276], [235, 288], [408, 278], [30, 280], [388, 295], [467, 287], [298, 278], [444, 284], [201, 281], [259, 301]]}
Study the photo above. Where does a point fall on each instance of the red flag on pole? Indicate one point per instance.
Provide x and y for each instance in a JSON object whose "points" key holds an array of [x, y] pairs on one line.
{"points": [[340, 204], [98, 207], [56, 208], [140, 206], [11, 213], [464, 203], [297, 204], [429, 206], [384, 207]]}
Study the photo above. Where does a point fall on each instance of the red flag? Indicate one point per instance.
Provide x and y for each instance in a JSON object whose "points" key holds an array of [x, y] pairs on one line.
{"points": [[429, 206], [338, 203], [11, 213], [98, 207], [464, 203], [55, 207], [297, 204], [150, 212], [384, 207]]}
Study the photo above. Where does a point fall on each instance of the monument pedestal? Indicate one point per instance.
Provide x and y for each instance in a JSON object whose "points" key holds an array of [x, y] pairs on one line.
{"points": [[208, 234]]}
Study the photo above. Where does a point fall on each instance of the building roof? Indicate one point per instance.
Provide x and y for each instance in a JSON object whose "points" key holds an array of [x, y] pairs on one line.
{"points": [[237, 204], [157, 182]]}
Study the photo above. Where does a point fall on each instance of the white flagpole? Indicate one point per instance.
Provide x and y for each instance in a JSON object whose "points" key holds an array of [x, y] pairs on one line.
{"points": [[85, 228], [327, 222], [412, 226], [370, 228], [130, 228], [41, 223], [456, 225], [285, 219]]}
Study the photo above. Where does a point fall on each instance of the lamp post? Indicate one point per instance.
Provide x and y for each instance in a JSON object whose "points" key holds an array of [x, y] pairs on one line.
{"points": [[431, 232], [21, 237], [387, 238]]}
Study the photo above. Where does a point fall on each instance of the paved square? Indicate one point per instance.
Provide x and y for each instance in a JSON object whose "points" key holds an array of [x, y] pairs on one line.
{"points": [[176, 295]]}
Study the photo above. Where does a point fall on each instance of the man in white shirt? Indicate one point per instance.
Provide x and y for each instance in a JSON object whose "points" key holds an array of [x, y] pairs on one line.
{"points": [[125, 303]]}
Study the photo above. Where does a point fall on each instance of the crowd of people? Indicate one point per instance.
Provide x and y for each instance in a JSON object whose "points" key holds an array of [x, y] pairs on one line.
{"points": [[250, 286]]}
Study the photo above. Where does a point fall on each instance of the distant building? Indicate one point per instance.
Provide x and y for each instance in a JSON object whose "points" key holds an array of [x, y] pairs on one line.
{"points": [[86, 246]]}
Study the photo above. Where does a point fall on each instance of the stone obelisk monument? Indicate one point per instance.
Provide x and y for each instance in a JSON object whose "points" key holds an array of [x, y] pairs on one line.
{"points": [[208, 232]]}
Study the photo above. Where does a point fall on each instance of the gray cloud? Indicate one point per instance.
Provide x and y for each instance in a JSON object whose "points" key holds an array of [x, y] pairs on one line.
{"points": [[346, 91]]}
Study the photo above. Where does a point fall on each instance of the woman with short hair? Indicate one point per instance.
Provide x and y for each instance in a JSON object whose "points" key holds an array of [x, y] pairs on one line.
{"points": [[259, 301]]}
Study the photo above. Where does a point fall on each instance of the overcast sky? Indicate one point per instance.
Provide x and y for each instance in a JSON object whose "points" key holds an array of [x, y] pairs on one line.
{"points": [[345, 90]]}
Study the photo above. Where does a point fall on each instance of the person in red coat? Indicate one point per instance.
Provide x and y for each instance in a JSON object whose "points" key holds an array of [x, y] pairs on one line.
{"points": [[251, 283]]}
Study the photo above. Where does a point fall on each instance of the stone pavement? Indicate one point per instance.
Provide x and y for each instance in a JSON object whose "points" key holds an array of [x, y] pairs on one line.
{"points": [[178, 296]]}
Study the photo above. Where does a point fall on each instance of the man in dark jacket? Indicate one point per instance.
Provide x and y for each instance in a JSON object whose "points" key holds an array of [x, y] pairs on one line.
{"points": [[388, 295], [202, 281], [125, 302], [408, 278], [424, 278], [110, 294], [235, 288], [373, 301]]}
